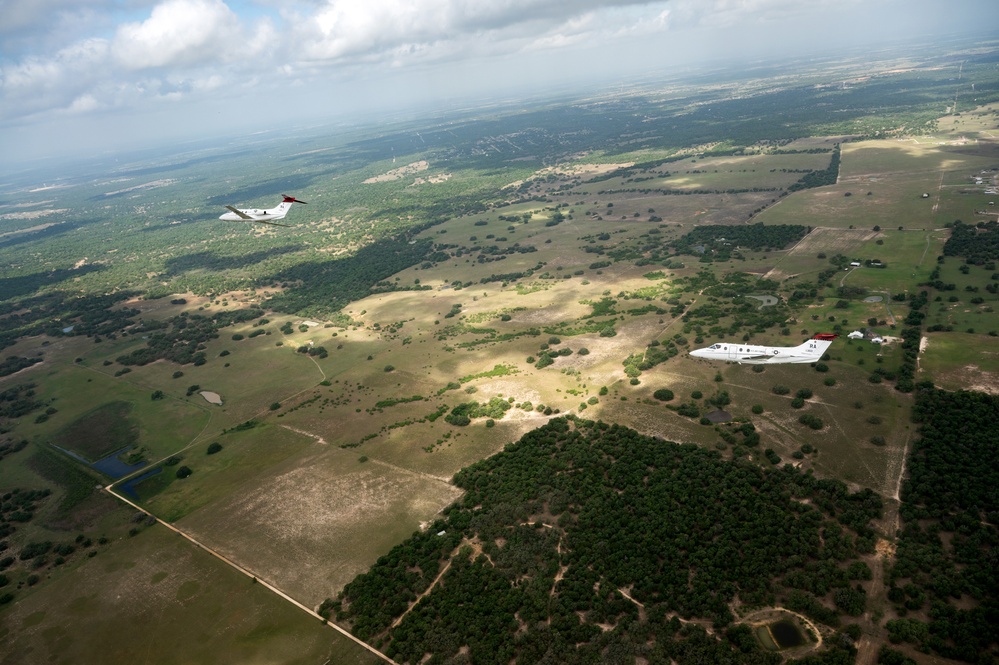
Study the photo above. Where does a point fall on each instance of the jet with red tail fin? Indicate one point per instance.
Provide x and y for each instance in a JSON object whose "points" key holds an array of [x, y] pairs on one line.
{"points": [[740, 352], [266, 216]]}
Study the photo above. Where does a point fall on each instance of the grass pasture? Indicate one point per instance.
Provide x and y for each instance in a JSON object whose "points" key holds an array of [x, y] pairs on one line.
{"points": [[802, 259], [958, 361], [965, 304], [245, 454], [180, 604], [163, 425], [100, 432], [913, 257]]}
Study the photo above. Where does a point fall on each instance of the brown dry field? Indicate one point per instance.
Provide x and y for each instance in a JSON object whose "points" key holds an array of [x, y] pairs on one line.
{"points": [[313, 523]]}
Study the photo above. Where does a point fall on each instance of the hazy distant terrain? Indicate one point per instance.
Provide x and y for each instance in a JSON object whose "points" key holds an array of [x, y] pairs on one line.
{"points": [[438, 409]]}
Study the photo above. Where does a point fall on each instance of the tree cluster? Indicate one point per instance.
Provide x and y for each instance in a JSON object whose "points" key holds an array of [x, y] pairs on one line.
{"points": [[555, 531], [946, 557]]}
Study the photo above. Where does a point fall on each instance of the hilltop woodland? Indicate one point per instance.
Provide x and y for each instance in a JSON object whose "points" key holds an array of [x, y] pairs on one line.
{"points": [[588, 542]]}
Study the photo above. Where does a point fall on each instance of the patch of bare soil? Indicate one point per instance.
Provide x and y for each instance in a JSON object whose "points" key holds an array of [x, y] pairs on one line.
{"points": [[973, 378], [885, 549], [401, 172], [313, 527], [211, 398]]}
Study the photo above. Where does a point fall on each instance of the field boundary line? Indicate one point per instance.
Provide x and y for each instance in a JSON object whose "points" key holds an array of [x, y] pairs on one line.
{"points": [[271, 587]]}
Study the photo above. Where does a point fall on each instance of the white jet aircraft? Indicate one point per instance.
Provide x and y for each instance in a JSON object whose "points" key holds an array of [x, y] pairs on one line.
{"points": [[809, 352], [262, 216]]}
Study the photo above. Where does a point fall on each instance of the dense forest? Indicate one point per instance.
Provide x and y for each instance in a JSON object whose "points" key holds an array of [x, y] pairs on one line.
{"points": [[978, 244], [583, 539], [945, 581]]}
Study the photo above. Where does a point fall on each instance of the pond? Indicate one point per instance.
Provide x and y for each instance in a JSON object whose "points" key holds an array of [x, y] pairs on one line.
{"points": [[786, 634], [128, 487], [113, 467]]}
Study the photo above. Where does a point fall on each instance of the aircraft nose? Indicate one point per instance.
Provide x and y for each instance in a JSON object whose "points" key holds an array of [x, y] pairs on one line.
{"points": [[697, 353]]}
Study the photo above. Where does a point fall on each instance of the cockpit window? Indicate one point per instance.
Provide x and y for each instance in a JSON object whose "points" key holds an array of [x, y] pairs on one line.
{"points": [[715, 346]]}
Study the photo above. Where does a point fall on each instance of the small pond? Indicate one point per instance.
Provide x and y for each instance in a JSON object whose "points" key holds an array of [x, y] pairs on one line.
{"points": [[128, 487], [786, 634], [113, 467]]}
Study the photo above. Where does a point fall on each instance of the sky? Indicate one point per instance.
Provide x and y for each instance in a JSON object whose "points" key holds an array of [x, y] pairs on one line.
{"points": [[82, 77]]}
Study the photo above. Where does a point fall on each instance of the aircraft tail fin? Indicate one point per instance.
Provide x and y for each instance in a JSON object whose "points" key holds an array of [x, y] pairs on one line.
{"points": [[285, 205], [819, 343]]}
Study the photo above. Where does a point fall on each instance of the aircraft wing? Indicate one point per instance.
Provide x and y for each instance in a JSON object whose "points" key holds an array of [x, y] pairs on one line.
{"points": [[264, 221], [241, 214]]}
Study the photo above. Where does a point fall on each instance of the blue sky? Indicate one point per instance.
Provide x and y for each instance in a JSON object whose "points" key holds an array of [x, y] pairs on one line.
{"points": [[85, 76]]}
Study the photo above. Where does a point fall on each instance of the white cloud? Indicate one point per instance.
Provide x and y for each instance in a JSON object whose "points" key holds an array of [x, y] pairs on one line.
{"points": [[179, 33], [63, 58], [36, 84], [344, 30]]}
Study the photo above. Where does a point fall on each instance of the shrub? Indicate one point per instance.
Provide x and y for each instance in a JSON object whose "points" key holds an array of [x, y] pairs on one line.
{"points": [[757, 409], [781, 390], [184, 472], [213, 448], [663, 394], [813, 422]]}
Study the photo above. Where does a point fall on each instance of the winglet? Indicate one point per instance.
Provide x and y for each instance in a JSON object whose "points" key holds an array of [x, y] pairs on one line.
{"points": [[292, 199]]}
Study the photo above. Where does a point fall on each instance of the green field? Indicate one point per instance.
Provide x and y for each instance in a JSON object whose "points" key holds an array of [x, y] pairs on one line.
{"points": [[180, 604]]}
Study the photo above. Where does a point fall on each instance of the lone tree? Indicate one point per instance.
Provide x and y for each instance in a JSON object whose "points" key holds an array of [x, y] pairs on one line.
{"points": [[213, 448], [663, 394], [184, 472]]}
